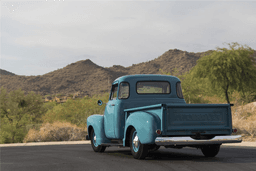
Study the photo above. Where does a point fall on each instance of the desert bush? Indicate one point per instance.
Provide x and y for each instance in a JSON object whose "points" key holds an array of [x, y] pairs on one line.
{"points": [[16, 111], [66, 122], [214, 99], [244, 118], [246, 126], [57, 131], [50, 105], [76, 111]]}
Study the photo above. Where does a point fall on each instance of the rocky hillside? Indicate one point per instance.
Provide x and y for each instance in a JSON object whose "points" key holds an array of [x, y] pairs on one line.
{"points": [[88, 78], [4, 72]]}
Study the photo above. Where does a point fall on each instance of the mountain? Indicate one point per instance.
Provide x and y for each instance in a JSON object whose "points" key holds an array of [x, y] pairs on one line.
{"points": [[88, 78], [4, 72]]}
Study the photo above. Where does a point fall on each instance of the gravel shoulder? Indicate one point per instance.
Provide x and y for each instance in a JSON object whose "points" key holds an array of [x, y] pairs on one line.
{"points": [[243, 144]]}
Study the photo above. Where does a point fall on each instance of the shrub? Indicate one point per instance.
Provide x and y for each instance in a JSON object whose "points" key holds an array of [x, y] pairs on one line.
{"points": [[16, 111], [57, 131], [75, 111]]}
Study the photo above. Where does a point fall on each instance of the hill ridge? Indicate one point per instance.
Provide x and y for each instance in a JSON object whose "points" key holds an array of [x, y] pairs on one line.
{"points": [[4, 72], [89, 78]]}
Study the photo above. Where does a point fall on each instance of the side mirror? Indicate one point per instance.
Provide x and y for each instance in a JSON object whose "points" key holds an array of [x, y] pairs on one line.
{"points": [[100, 102]]}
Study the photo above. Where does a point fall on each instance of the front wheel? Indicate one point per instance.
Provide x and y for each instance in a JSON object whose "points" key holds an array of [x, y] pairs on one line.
{"points": [[139, 151], [95, 146], [210, 150]]}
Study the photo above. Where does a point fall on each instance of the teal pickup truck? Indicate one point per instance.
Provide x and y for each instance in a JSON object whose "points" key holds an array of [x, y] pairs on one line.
{"points": [[145, 112]]}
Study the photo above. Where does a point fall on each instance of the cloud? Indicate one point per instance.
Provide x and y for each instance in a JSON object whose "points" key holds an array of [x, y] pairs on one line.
{"points": [[55, 33], [12, 58], [102, 25]]}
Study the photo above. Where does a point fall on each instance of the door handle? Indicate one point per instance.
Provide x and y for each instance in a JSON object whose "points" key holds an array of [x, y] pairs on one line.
{"points": [[112, 104]]}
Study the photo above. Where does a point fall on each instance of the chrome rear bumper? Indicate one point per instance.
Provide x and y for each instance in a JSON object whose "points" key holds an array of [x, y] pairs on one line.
{"points": [[190, 141]]}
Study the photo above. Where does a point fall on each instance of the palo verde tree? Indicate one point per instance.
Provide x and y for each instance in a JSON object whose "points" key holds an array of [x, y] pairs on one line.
{"points": [[17, 110], [228, 69]]}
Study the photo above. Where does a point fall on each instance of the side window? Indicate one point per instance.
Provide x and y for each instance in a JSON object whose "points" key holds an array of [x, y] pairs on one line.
{"points": [[179, 90], [123, 91], [114, 92]]}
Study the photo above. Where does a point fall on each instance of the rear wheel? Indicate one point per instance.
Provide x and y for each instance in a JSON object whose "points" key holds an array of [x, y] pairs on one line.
{"points": [[139, 151], [210, 150], [95, 146]]}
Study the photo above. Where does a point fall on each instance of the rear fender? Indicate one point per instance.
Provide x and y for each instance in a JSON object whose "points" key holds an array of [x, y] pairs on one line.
{"points": [[96, 122], [146, 124]]}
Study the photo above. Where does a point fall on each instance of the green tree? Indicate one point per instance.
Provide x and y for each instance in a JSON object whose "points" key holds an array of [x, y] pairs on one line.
{"points": [[18, 110], [227, 69]]}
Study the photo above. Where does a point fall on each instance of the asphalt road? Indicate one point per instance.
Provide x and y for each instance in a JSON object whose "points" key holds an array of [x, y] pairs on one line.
{"points": [[82, 157]]}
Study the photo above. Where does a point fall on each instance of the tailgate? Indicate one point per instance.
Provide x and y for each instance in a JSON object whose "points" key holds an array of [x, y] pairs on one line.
{"points": [[189, 119]]}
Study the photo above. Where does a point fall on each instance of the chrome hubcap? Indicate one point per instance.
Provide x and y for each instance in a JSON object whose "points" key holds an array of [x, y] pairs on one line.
{"points": [[136, 141], [94, 140]]}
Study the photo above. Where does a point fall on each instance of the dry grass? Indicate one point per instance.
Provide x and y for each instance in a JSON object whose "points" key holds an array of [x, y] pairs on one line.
{"points": [[244, 120], [57, 131], [243, 116]]}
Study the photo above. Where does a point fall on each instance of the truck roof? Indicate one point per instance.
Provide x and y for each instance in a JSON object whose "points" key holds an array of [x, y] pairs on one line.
{"points": [[142, 77]]}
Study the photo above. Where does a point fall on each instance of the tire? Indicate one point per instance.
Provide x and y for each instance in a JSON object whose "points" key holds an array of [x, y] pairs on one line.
{"points": [[138, 150], [153, 147], [210, 150], [95, 147]]}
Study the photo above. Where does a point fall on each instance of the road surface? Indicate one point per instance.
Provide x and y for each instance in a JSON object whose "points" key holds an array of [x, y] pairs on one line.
{"points": [[81, 157]]}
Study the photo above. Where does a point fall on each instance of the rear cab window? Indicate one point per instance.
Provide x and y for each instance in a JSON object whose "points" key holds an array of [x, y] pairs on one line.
{"points": [[153, 87], [179, 90]]}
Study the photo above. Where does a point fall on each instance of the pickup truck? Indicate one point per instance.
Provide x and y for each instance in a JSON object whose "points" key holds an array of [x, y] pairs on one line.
{"points": [[147, 111]]}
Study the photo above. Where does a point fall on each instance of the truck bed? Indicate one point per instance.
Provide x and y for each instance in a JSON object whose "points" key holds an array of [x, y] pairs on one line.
{"points": [[190, 119]]}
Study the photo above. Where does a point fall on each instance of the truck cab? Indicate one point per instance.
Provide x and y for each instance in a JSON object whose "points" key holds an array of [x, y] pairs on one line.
{"points": [[147, 111]]}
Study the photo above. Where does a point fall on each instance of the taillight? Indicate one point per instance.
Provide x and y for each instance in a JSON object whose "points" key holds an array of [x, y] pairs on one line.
{"points": [[234, 130], [158, 131]]}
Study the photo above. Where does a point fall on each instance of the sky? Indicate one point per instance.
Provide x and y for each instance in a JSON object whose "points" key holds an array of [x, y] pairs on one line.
{"points": [[38, 37]]}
